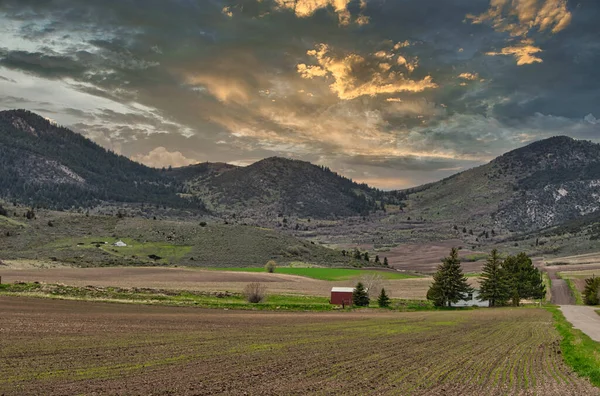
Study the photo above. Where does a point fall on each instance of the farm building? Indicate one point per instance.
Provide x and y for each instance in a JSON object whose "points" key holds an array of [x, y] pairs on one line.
{"points": [[341, 295], [472, 300]]}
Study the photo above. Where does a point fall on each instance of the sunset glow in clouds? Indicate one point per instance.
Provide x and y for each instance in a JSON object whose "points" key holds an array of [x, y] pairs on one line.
{"points": [[395, 93]]}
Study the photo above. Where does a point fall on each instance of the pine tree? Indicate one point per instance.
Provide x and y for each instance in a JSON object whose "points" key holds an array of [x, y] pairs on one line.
{"points": [[591, 291], [366, 256], [385, 262], [383, 300], [357, 254], [360, 297], [495, 286], [377, 259], [449, 283], [525, 280]]}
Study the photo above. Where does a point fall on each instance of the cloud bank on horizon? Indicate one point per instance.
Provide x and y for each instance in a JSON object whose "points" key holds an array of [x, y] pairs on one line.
{"points": [[390, 93]]}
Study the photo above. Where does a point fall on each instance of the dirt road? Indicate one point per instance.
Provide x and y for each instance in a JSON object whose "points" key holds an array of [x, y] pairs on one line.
{"points": [[584, 319], [561, 294]]}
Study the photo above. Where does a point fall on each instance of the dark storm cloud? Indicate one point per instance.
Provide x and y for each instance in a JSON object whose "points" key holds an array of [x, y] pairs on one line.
{"points": [[377, 89]]}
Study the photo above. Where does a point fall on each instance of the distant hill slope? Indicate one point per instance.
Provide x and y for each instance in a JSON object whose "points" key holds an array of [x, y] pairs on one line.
{"points": [[540, 185], [80, 240], [44, 164], [278, 185]]}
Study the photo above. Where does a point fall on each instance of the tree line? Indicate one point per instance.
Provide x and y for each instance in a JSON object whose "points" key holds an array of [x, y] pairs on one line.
{"points": [[502, 282]]}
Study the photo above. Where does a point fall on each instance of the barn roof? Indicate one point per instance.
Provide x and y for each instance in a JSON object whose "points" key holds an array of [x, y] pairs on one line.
{"points": [[342, 289]]}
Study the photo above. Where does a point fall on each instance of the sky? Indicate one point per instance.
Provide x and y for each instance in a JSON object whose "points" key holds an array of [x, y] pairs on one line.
{"points": [[394, 93]]}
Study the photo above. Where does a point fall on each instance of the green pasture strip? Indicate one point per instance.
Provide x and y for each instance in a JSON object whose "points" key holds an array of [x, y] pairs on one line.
{"points": [[328, 274], [579, 351], [548, 284], [273, 302], [574, 291]]}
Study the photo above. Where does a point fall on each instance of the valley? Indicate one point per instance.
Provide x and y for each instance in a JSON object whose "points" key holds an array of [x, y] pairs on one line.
{"points": [[154, 266]]}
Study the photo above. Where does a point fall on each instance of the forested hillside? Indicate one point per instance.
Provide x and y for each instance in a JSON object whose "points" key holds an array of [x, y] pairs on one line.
{"points": [[46, 165], [278, 185]]}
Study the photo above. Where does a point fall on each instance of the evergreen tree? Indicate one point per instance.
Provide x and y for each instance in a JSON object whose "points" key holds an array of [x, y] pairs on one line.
{"points": [[525, 280], [366, 256], [360, 297], [495, 286], [385, 262], [449, 283], [383, 300], [591, 291], [377, 259], [357, 254]]}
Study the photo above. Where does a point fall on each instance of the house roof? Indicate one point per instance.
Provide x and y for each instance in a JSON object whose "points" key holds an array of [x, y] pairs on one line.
{"points": [[342, 289]]}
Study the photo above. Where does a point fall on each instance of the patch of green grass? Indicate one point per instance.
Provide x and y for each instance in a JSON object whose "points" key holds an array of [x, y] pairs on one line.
{"points": [[328, 274], [548, 284], [574, 291], [168, 252], [579, 351], [12, 222]]}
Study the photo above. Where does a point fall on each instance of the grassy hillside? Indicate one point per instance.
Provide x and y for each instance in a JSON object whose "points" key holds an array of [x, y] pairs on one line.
{"points": [[88, 241]]}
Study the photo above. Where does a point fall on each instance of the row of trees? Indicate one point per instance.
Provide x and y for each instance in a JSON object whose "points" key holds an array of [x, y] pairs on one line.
{"points": [[360, 297], [503, 281]]}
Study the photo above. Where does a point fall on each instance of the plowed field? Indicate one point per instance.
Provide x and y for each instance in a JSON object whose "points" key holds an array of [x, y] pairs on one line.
{"points": [[66, 347]]}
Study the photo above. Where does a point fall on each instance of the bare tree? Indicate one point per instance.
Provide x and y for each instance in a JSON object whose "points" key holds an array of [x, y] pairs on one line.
{"points": [[255, 292], [373, 283]]}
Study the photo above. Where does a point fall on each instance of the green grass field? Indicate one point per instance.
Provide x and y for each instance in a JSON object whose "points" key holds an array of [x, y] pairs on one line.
{"points": [[272, 302], [328, 274], [168, 252], [579, 351]]}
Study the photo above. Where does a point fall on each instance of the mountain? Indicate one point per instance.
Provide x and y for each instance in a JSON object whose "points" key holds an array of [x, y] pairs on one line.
{"points": [[277, 186], [47, 165], [43, 164], [541, 185]]}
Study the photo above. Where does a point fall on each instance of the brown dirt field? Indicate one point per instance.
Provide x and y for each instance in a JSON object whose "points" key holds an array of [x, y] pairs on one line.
{"points": [[201, 280], [425, 258], [65, 347]]}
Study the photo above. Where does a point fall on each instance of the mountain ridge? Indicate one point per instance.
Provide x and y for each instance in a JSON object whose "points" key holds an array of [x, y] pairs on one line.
{"points": [[540, 185]]}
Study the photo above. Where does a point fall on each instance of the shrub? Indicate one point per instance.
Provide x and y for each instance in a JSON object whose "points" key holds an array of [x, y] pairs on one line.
{"points": [[30, 214], [203, 224], [255, 292], [270, 266]]}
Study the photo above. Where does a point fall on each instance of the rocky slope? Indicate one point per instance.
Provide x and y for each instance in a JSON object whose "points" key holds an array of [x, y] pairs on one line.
{"points": [[544, 184]]}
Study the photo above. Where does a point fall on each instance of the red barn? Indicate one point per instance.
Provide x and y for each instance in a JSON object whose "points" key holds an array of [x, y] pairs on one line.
{"points": [[341, 295]]}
